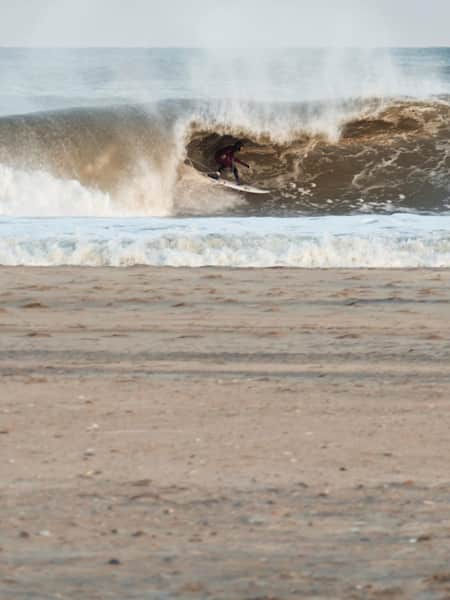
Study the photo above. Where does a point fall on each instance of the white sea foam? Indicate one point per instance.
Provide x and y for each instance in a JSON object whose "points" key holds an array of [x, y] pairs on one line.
{"points": [[40, 194], [403, 241]]}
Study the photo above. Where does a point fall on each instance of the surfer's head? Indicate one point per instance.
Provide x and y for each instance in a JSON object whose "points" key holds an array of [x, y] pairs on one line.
{"points": [[238, 145]]}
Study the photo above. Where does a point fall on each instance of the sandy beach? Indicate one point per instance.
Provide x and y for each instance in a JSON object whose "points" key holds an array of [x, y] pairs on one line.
{"points": [[229, 434]]}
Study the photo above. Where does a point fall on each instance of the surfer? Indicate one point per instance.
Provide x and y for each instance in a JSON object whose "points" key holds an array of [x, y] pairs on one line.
{"points": [[225, 158]]}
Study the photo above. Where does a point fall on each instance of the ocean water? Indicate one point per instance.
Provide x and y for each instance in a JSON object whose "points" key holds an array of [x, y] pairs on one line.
{"points": [[103, 155]]}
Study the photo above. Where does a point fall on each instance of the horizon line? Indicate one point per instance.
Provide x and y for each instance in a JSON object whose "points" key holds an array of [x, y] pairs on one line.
{"points": [[143, 47]]}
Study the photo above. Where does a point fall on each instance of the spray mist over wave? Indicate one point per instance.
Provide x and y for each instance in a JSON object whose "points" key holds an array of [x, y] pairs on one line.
{"points": [[331, 131]]}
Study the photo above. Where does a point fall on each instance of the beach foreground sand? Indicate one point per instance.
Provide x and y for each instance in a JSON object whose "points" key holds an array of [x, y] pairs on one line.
{"points": [[224, 434]]}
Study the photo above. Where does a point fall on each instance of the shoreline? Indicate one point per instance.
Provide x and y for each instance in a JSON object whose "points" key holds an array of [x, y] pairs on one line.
{"points": [[224, 433]]}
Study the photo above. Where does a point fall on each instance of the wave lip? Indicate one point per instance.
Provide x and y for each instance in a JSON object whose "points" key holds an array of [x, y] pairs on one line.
{"points": [[397, 241]]}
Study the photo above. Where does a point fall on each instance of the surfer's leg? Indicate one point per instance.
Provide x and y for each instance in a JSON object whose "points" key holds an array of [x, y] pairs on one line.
{"points": [[220, 171], [236, 175]]}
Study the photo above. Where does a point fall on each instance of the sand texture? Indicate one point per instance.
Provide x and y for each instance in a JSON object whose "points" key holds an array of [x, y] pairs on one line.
{"points": [[227, 434]]}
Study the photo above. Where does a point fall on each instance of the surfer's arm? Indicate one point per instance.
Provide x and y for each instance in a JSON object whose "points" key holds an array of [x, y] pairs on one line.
{"points": [[241, 162]]}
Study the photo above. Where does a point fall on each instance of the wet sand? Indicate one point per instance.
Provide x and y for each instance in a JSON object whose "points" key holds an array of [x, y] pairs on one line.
{"points": [[226, 434]]}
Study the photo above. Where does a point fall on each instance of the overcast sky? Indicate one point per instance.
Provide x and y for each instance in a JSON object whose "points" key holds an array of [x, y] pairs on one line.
{"points": [[225, 23]]}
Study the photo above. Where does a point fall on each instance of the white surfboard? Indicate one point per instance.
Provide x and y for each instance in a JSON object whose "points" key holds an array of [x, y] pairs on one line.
{"points": [[246, 189]]}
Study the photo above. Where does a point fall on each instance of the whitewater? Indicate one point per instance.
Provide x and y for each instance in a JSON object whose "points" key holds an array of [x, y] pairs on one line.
{"points": [[102, 156]]}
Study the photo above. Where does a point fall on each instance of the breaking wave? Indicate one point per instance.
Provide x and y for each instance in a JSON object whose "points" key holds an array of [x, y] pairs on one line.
{"points": [[352, 241], [315, 158]]}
